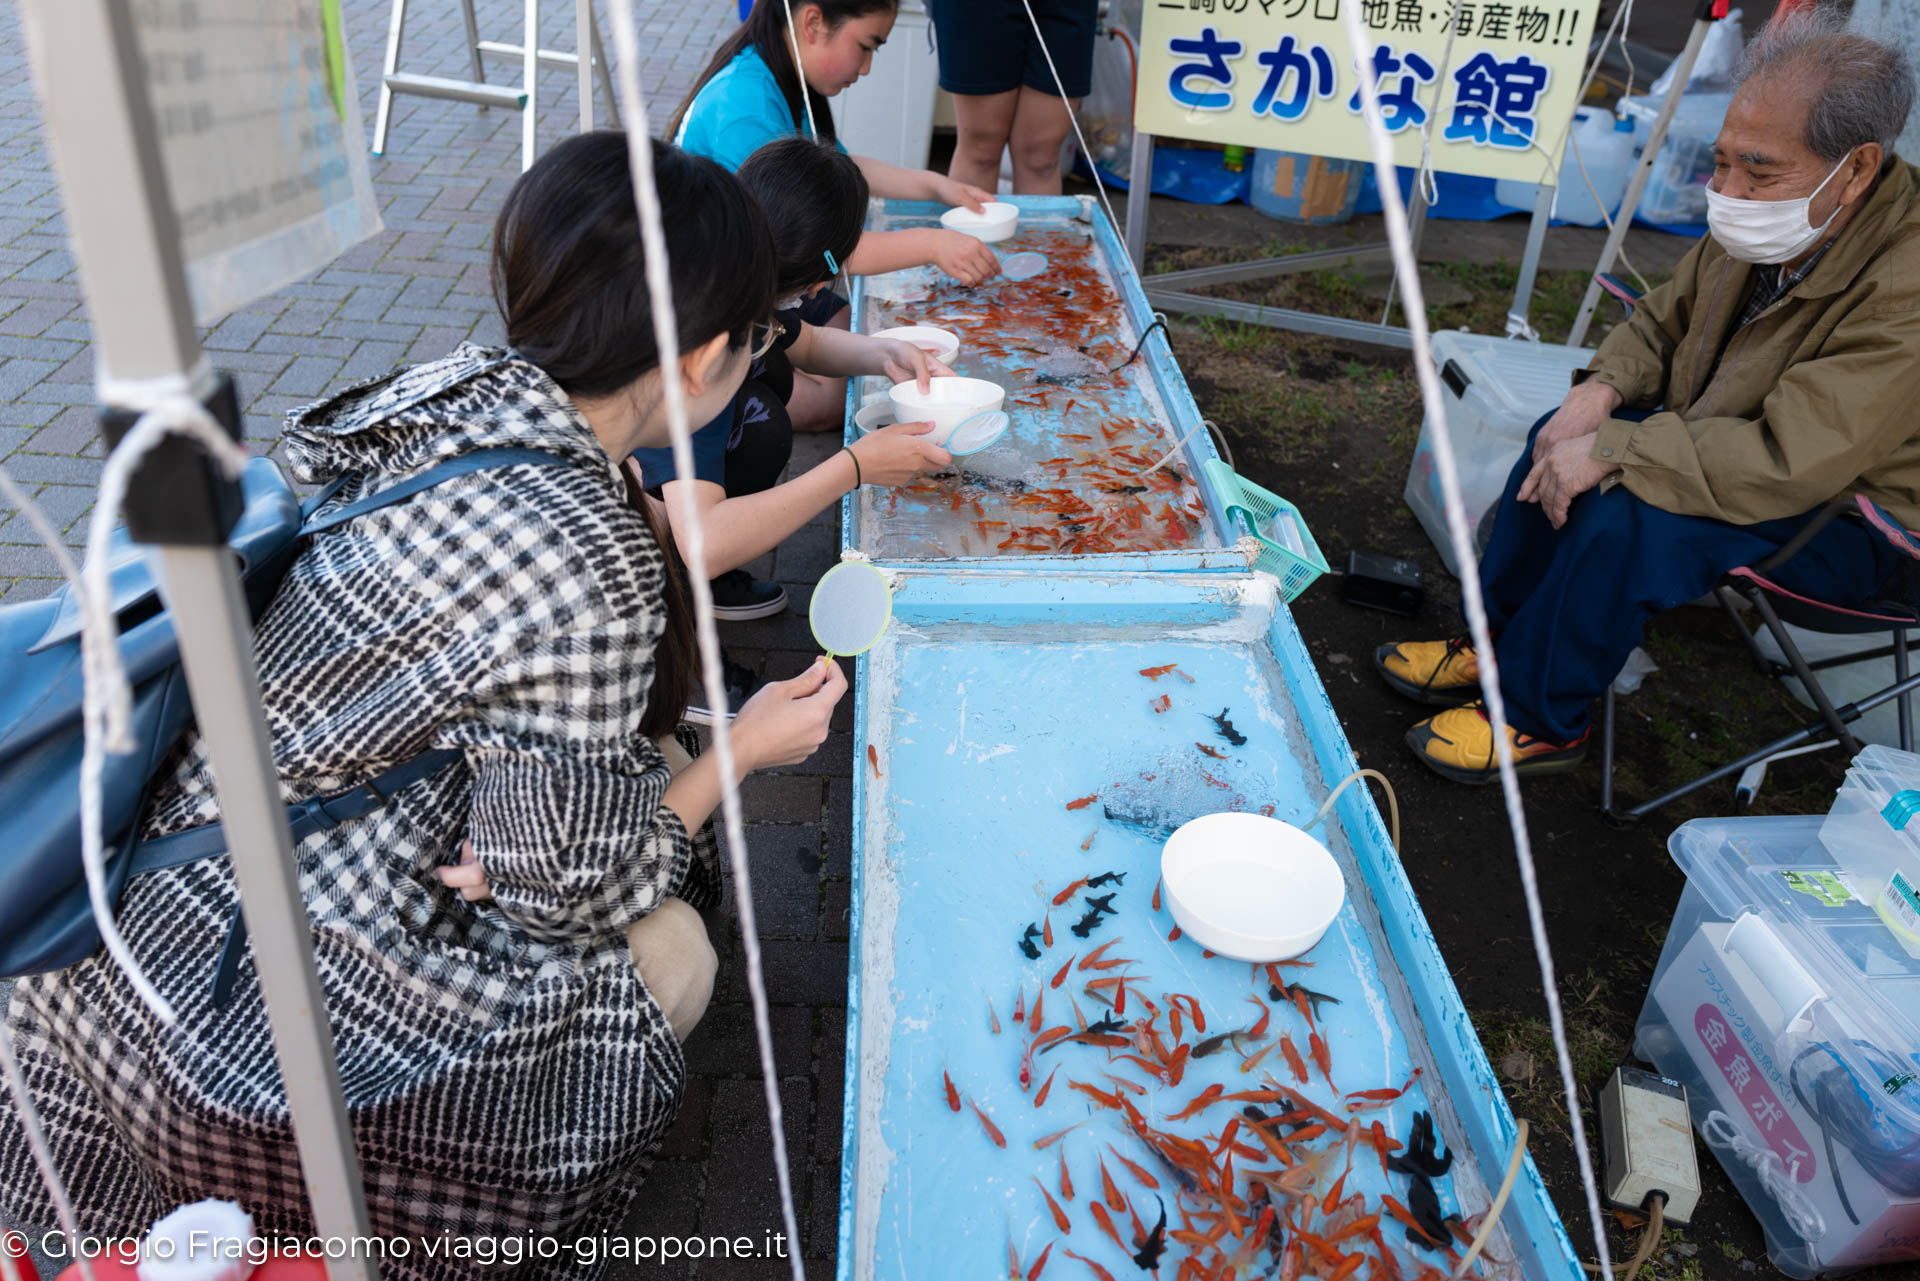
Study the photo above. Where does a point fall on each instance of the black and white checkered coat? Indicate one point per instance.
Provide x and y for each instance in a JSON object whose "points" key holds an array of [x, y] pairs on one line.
{"points": [[505, 1070]]}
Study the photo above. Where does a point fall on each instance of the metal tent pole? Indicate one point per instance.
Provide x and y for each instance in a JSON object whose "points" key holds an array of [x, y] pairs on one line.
{"points": [[587, 48], [1138, 198], [1530, 260], [100, 127], [1683, 68]]}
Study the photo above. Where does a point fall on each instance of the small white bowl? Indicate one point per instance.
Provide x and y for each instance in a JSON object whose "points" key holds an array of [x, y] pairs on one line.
{"points": [[942, 344], [996, 220], [875, 414], [951, 402], [1250, 887]]}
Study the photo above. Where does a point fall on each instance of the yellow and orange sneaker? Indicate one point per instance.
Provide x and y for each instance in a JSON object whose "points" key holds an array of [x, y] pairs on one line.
{"points": [[1437, 673], [1458, 744]]}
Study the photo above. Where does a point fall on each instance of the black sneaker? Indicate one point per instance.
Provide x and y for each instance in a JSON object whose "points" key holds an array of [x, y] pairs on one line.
{"points": [[742, 684], [739, 596]]}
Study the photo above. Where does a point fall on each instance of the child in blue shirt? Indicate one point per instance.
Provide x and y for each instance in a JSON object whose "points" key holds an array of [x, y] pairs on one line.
{"points": [[816, 200], [749, 95]]}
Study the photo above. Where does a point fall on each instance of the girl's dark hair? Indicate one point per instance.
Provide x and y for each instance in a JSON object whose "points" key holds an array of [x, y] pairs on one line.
{"points": [[817, 197], [569, 275], [766, 30], [676, 659], [569, 278]]}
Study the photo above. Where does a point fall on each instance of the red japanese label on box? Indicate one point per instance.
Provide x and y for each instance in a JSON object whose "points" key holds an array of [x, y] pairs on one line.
{"points": [[1763, 1106]]}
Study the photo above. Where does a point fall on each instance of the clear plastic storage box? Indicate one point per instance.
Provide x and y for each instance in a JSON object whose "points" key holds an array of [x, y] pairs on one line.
{"points": [[1792, 1016], [1676, 191], [1873, 833], [1495, 388]]}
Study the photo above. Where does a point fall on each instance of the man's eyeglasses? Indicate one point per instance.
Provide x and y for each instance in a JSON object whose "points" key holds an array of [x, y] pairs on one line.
{"points": [[761, 338]]}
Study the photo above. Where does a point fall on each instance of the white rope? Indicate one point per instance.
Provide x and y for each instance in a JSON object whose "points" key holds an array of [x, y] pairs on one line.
{"points": [[1140, 185], [1399, 235], [1429, 182], [667, 342], [42, 1157], [799, 73], [1720, 1132]]}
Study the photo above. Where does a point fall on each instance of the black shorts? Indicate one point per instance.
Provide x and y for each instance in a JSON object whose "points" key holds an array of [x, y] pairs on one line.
{"points": [[988, 46]]}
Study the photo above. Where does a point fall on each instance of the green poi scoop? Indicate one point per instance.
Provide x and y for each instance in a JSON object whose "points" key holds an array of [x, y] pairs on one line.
{"points": [[851, 606]]}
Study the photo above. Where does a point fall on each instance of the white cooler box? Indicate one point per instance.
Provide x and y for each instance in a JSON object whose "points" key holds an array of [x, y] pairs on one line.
{"points": [[1792, 1016], [1495, 389]]}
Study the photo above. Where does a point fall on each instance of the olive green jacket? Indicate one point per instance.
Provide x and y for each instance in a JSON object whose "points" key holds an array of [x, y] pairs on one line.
{"points": [[1818, 397]]}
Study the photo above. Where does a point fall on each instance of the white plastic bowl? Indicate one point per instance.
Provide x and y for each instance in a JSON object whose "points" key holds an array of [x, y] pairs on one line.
{"points": [[1250, 887], [876, 413], [951, 402], [995, 221], [942, 344]]}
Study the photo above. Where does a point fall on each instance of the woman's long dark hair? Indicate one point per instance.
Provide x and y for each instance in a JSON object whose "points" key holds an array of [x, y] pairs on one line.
{"points": [[766, 30], [569, 278], [817, 197]]}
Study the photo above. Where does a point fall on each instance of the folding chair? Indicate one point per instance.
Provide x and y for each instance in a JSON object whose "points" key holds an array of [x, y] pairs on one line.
{"points": [[1776, 607]]}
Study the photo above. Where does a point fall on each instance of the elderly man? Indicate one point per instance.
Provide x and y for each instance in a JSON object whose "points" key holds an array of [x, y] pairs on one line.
{"points": [[1778, 369]]}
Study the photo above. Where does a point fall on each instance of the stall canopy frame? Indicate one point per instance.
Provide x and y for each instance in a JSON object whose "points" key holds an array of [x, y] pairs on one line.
{"points": [[101, 130]]}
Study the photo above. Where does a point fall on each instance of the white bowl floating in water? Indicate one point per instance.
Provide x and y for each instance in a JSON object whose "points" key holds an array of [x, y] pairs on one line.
{"points": [[942, 344], [995, 221], [1250, 887], [876, 413], [950, 402]]}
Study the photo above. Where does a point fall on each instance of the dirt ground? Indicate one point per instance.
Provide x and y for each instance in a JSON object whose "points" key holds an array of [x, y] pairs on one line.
{"points": [[1332, 427]]}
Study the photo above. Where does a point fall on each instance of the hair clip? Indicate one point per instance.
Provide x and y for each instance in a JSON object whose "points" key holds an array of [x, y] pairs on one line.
{"points": [[832, 266]]}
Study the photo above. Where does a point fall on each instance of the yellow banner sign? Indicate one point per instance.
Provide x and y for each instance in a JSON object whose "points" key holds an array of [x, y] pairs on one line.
{"points": [[1278, 73]]}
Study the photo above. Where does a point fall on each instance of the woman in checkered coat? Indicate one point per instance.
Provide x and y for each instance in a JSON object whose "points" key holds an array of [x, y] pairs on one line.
{"points": [[507, 1068]]}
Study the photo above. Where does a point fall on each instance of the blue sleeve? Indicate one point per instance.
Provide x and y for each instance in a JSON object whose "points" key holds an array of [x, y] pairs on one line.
{"points": [[736, 113], [709, 455], [739, 138]]}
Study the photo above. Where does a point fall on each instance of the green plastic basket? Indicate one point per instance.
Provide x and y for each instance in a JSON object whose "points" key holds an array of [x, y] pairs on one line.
{"points": [[1287, 549]]}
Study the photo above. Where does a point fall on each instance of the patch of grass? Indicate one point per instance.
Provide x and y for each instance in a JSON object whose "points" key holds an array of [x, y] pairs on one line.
{"points": [[1233, 337]]}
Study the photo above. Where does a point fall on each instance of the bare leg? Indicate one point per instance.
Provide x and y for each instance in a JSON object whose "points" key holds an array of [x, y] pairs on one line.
{"points": [[983, 124], [819, 403], [676, 961], [1040, 125]]}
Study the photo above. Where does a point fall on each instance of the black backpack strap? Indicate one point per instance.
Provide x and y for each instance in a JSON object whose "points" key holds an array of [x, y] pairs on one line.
{"points": [[316, 814], [478, 460], [323, 814]]}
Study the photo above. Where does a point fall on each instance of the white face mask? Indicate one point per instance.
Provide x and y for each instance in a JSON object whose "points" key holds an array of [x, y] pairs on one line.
{"points": [[1767, 231]]}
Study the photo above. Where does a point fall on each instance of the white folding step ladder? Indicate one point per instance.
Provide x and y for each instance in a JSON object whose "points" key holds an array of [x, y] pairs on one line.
{"points": [[522, 97]]}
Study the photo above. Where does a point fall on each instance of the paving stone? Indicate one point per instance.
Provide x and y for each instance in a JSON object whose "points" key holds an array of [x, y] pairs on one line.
{"points": [[724, 1045], [23, 560], [238, 331], [836, 909], [60, 469], [741, 1157], [781, 798], [307, 376]]}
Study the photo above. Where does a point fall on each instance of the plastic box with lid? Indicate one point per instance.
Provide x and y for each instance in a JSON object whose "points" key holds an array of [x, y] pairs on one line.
{"points": [[1495, 389], [1873, 833], [1676, 191], [1792, 1016]]}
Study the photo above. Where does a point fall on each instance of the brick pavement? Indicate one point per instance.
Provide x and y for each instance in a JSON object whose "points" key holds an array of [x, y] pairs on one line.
{"points": [[412, 293]]}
